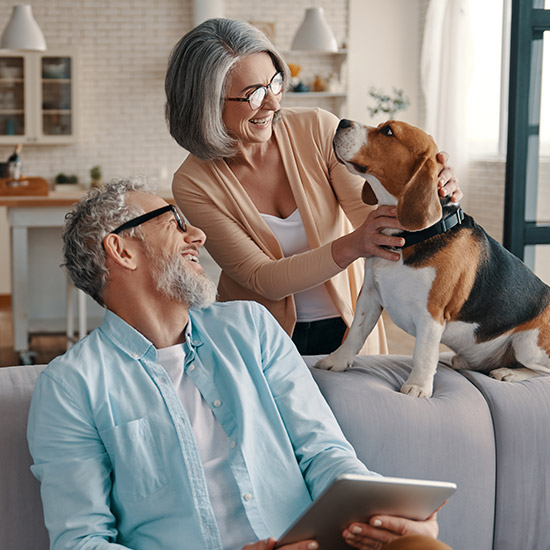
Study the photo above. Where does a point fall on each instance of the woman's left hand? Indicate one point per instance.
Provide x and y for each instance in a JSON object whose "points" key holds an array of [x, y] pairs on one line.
{"points": [[383, 529], [447, 180]]}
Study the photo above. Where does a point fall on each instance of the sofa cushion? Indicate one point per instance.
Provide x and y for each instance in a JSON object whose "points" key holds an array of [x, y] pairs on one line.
{"points": [[21, 517], [448, 437], [521, 418]]}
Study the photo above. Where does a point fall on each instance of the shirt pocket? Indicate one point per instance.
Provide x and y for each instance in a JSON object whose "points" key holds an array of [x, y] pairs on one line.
{"points": [[137, 466]]}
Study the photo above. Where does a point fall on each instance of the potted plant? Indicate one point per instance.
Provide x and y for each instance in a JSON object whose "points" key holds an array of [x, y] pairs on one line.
{"points": [[96, 176], [384, 103]]}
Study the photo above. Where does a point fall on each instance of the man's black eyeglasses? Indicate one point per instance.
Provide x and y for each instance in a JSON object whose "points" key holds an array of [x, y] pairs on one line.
{"points": [[149, 216]]}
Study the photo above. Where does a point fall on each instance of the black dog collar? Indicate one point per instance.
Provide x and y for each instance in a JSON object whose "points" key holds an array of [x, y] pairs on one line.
{"points": [[443, 225]]}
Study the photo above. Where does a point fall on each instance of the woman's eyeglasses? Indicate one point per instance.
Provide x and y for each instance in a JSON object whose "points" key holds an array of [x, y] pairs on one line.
{"points": [[149, 216], [257, 98]]}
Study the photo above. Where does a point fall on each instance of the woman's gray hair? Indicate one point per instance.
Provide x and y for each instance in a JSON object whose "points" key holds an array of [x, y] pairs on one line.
{"points": [[96, 215], [196, 82]]}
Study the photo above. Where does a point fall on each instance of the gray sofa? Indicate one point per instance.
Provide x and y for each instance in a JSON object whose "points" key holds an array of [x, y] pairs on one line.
{"points": [[491, 438]]}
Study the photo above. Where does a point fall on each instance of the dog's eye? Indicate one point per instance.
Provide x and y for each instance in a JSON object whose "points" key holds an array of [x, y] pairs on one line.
{"points": [[387, 131]]}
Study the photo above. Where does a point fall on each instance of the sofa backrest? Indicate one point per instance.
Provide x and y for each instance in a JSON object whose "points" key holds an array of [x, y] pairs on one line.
{"points": [[21, 517]]}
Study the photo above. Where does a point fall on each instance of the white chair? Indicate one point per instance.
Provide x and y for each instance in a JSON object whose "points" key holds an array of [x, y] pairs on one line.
{"points": [[81, 307]]}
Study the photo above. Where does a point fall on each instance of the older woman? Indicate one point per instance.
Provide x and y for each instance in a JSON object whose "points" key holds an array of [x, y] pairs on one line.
{"points": [[283, 218]]}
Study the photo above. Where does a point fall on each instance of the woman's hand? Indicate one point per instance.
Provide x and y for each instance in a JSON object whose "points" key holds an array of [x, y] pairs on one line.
{"points": [[269, 544], [383, 529], [447, 180], [368, 240]]}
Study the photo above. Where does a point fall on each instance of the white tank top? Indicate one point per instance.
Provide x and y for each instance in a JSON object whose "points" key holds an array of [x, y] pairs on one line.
{"points": [[313, 304]]}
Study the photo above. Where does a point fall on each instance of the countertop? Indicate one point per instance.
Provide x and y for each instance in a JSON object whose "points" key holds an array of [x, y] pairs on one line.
{"points": [[65, 195]]}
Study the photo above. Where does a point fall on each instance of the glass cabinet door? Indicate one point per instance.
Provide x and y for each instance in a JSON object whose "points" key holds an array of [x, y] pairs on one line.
{"points": [[57, 96], [12, 95]]}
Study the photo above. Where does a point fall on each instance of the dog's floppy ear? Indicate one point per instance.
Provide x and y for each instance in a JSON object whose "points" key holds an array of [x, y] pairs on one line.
{"points": [[368, 195], [418, 206]]}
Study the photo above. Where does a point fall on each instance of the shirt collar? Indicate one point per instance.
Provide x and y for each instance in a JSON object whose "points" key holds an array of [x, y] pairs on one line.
{"points": [[193, 337], [125, 337]]}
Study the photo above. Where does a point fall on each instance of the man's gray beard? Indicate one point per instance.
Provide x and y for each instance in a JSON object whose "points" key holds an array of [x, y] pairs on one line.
{"points": [[176, 281]]}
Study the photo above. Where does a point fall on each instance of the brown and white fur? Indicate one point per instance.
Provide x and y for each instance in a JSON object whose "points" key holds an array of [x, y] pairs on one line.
{"points": [[460, 287]]}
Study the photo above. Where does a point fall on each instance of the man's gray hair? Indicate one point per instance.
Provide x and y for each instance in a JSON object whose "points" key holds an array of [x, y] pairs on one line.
{"points": [[196, 82], [98, 213]]}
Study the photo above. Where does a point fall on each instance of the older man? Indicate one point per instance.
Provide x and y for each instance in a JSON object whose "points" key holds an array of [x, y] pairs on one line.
{"points": [[179, 422]]}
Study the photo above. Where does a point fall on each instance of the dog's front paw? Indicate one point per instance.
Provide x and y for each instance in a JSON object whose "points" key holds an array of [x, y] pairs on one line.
{"points": [[417, 390], [505, 374], [334, 362]]}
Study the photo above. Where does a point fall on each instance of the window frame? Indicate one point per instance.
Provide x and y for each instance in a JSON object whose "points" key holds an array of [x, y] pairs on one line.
{"points": [[529, 21]]}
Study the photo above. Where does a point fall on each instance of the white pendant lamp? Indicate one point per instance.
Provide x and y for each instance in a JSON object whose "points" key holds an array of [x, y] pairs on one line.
{"points": [[22, 31], [206, 9], [314, 33]]}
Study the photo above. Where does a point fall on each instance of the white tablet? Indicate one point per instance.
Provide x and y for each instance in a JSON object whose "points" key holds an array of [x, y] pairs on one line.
{"points": [[357, 498]]}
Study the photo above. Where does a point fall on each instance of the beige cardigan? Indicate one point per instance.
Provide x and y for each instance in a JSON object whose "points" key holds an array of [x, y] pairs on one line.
{"points": [[253, 267]]}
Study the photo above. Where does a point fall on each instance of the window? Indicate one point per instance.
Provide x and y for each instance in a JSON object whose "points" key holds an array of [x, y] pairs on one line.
{"points": [[487, 102]]}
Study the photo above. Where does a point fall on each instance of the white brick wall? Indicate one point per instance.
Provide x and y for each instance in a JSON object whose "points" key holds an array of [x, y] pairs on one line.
{"points": [[123, 47], [485, 202], [485, 199]]}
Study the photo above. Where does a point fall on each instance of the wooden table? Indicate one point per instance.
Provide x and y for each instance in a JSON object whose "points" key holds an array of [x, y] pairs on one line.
{"points": [[41, 299], [39, 285]]}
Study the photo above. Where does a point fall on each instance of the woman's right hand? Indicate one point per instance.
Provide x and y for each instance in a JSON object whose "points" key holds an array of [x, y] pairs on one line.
{"points": [[269, 544], [368, 240]]}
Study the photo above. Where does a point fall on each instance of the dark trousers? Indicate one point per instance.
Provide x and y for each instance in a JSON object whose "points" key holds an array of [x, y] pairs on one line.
{"points": [[319, 337]]}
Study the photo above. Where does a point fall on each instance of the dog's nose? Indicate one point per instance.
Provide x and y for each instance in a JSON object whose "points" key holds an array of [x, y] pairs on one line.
{"points": [[344, 123]]}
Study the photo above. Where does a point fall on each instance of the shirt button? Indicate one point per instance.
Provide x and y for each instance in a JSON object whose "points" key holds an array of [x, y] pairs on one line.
{"points": [[247, 496], [135, 355], [191, 368], [233, 444], [217, 403]]}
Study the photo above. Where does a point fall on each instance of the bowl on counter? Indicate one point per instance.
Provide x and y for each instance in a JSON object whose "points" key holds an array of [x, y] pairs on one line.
{"points": [[60, 69], [8, 72]]}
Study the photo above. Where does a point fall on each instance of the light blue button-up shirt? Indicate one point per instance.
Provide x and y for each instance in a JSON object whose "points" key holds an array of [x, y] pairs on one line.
{"points": [[115, 452]]}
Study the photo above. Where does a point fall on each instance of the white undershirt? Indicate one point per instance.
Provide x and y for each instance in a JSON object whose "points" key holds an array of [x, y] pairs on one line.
{"points": [[214, 445], [313, 304]]}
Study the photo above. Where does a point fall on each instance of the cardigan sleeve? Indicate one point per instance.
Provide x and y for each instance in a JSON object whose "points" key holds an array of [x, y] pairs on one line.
{"points": [[237, 245]]}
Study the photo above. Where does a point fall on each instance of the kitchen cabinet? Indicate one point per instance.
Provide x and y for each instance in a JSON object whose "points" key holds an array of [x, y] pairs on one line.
{"points": [[331, 67], [38, 97]]}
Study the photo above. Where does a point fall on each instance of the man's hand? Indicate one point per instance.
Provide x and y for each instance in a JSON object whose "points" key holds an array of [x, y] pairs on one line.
{"points": [[384, 529], [269, 544]]}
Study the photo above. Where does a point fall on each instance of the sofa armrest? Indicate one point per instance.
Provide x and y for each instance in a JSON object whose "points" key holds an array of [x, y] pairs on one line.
{"points": [[448, 437]]}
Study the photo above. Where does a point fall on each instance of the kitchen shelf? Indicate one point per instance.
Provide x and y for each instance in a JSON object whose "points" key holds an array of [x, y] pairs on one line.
{"points": [[56, 80], [309, 95], [289, 53], [328, 65]]}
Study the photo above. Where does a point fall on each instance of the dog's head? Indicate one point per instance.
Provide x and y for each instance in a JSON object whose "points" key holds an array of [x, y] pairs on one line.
{"points": [[398, 162]]}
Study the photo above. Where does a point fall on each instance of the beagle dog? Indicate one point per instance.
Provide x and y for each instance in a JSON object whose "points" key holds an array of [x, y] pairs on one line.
{"points": [[453, 283]]}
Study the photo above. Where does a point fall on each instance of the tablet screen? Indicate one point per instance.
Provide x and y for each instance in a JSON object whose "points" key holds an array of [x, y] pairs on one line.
{"points": [[357, 498]]}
